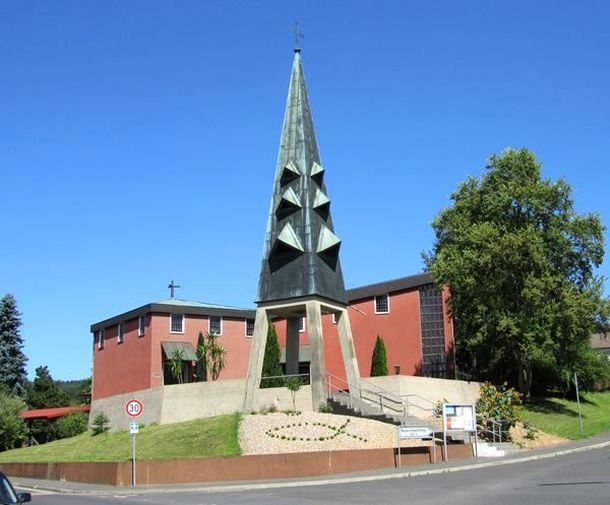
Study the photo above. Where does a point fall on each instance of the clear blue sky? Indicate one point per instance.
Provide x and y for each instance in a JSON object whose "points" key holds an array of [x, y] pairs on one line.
{"points": [[138, 139]]}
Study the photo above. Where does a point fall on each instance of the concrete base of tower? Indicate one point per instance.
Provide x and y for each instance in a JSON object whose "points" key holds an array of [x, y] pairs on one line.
{"points": [[312, 308]]}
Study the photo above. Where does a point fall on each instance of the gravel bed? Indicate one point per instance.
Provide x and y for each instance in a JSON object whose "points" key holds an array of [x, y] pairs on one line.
{"points": [[311, 431]]}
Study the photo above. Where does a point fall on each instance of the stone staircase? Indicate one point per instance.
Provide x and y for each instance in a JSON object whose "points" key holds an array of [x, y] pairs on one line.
{"points": [[342, 403]]}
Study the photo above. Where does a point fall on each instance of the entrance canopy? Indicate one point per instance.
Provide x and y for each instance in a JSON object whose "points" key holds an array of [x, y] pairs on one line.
{"points": [[188, 353]]}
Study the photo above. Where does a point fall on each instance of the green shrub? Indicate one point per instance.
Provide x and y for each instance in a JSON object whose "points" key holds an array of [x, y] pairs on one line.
{"points": [[500, 405], [325, 408], [379, 361], [71, 425], [13, 430], [100, 424]]}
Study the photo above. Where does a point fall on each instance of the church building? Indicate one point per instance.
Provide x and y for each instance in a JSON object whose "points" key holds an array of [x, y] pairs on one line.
{"points": [[324, 330]]}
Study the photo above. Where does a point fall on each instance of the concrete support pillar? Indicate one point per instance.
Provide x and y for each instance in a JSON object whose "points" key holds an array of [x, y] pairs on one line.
{"points": [[292, 345], [348, 351], [316, 343], [257, 354]]}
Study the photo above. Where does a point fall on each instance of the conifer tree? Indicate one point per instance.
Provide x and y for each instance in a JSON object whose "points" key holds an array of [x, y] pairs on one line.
{"points": [[12, 359], [379, 362], [45, 393], [271, 361], [202, 373]]}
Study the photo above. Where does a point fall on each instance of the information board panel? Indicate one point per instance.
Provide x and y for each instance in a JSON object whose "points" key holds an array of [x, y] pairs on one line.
{"points": [[459, 417]]}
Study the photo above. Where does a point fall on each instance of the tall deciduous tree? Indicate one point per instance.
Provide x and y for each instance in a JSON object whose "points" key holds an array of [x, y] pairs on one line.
{"points": [[379, 360], [520, 263], [12, 359]]}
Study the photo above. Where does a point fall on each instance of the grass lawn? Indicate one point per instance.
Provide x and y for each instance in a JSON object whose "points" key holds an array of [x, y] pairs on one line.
{"points": [[215, 436], [559, 416]]}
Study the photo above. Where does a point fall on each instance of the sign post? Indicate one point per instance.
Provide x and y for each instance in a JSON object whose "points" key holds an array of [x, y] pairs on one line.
{"points": [[133, 408], [404, 432]]}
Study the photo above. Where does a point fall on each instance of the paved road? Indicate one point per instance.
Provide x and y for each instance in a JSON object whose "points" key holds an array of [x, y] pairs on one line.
{"points": [[575, 479]]}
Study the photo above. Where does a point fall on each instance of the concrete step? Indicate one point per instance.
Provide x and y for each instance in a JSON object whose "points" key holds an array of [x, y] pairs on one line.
{"points": [[496, 450]]}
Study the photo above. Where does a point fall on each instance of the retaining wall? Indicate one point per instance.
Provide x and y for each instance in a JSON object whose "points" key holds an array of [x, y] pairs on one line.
{"points": [[268, 466]]}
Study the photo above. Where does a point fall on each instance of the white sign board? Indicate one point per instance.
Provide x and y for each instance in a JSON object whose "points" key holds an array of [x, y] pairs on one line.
{"points": [[406, 432], [459, 417], [134, 427]]}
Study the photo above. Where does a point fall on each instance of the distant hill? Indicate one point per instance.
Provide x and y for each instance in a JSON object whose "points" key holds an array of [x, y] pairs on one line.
{"points": [[75, 389]]}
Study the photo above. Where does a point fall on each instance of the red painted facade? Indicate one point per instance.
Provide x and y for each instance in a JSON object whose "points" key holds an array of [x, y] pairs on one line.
{"points": [[136, 363]]}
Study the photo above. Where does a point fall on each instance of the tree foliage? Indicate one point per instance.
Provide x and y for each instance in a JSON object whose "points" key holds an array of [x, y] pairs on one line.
{"points": [[379, 360], [215, 355], [44, 392], [13, 430], [293, 384], [100, 424], [71, 425], [176, 365], [271, 361], [520, 263], [12, 359]]}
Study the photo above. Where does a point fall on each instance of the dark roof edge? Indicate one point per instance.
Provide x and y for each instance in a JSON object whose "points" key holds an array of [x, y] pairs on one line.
{"points": [[174, 309], [382, 288]]}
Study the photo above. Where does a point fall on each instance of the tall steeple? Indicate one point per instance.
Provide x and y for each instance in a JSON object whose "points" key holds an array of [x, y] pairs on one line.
{"points": [[300, 272], [301, 253]]}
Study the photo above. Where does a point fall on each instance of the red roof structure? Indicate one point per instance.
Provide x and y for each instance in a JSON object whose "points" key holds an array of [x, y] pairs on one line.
{"points": [[54, 412]]}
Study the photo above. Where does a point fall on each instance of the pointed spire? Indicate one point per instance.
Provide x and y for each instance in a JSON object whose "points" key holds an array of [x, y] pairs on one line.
{"points": [[301, 255]]}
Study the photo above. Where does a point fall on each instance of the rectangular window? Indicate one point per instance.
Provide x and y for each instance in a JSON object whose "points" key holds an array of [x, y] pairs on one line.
{"points": [[215, 325], [120, 333], [382, 304], [101, 338], [302, 325], [249, 327], [141, 326], [177, 323]]}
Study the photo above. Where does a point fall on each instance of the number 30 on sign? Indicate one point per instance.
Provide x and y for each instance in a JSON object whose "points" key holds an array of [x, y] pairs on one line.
{"points": [[133, 408]]}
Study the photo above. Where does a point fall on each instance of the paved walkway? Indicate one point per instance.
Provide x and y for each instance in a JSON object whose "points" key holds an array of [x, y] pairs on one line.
{"points": [[64, 487]]}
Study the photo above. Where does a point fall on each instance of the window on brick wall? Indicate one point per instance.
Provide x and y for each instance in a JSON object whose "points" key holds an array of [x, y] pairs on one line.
{"points": [[141, 326], [249, 327], [177, 323], [382, 304], [120, 333], [215, 325]]}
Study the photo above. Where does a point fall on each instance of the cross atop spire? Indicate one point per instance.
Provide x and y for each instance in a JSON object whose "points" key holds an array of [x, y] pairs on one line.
{"points": [[172, 289], [298, 35]]}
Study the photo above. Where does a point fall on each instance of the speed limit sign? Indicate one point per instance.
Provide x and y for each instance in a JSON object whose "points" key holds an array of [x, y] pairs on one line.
{"points": [[133, 408]]}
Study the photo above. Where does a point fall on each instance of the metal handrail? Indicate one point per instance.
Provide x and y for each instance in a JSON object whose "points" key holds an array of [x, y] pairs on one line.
{"points": [[497, 433]]}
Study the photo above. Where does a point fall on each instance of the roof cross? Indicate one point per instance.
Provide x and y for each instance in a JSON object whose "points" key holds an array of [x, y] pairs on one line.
{"points": [[172, 288], [298, 35]]}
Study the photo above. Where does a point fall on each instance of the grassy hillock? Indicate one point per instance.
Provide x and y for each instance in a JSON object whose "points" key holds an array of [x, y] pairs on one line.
{"points": [[202, 438], [559, 416]]}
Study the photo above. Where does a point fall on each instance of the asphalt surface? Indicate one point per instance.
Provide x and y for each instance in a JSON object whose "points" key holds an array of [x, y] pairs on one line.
{"points": [[575, 473]]}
